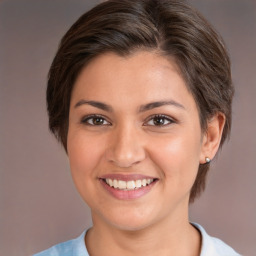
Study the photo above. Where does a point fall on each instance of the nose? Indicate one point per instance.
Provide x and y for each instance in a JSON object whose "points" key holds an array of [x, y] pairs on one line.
{"points": [[125, 147]]}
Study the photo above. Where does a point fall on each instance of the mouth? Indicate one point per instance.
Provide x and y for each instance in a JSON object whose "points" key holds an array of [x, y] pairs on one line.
{"points": [[128, 185]]}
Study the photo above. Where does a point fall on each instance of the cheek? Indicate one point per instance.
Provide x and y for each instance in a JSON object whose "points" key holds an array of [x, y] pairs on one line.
{"points": [[177, 158], [84, 154]]}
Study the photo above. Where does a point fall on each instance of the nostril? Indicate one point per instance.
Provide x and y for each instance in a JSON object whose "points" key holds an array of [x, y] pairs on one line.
{"points": [[126, 147], [126, 156], [124, 160], [122, 164]]}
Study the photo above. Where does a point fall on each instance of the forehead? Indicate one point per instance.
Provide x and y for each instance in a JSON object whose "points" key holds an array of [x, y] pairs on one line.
{"points": [[141, 76]]}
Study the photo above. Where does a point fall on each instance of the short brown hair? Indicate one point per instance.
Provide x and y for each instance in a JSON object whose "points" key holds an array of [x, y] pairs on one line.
{"points": [[173, 28]]}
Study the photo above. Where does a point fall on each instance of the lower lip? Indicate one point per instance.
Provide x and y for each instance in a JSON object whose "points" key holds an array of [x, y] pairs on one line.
{"points": [[128, 194]]}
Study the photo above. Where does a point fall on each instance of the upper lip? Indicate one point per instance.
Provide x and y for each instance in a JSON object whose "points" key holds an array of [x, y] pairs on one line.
{"points": [[126, 177]]}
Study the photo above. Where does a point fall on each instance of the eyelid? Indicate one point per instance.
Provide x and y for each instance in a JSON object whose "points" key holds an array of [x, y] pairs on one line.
{"points": [[170, 120], [85, 119]]}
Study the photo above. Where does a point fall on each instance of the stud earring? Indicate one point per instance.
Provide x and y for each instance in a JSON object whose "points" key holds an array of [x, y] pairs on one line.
{"points": [[207, 160]]}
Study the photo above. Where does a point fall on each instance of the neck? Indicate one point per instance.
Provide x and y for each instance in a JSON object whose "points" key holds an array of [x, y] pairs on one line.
{"points": [[168, 237]]}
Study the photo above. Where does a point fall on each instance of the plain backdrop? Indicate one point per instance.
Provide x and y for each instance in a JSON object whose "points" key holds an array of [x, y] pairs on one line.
{"points": [[39, 205]]}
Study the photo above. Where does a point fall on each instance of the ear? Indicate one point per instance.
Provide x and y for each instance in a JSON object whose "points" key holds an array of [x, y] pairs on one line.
{"points": [[212, 137]]}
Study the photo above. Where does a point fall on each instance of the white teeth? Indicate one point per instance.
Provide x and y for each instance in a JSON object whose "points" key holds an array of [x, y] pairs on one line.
{"points": [[138, 184], [122, 184], [115, 184], [128, 185]]}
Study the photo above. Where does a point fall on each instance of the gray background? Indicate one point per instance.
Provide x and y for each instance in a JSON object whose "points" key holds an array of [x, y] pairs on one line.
{"points": [[39, 205]]}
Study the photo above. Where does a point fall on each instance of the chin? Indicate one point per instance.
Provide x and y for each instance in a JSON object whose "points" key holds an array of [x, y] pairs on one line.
{"points": [[130, 220], [131, 225]]}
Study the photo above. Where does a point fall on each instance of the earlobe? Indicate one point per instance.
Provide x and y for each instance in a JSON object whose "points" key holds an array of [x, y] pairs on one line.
{"points": [[212, 137]]}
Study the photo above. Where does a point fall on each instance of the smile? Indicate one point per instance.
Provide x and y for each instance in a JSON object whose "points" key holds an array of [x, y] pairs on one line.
{"points": [[128, 185]]}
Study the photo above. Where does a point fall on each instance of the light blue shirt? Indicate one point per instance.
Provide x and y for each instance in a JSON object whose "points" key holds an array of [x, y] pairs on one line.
{"points": [[211, 246]]}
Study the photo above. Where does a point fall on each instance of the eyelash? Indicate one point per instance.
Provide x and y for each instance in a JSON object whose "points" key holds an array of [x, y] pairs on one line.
{"points": [[89, 120], [163, 117], [86, 119]]}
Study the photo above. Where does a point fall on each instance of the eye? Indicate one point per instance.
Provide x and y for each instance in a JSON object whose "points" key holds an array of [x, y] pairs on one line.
{"points": [[159, 120], [95, 120]]}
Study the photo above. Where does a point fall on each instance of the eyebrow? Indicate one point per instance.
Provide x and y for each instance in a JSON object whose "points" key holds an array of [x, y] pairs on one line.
{"points": [[96, 104], [142, 108], [157, 104]]}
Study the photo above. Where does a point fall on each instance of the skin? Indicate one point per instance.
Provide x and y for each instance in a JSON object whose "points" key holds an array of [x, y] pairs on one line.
{"points": [[126, 140]]}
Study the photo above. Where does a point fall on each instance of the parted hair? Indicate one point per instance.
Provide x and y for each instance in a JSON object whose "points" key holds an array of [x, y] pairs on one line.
{"points": [[173, 29]]}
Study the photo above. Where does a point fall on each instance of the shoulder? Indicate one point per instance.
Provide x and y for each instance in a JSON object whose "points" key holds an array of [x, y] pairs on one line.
{"points": [[212, 246], [63, 249], [74, 247]]}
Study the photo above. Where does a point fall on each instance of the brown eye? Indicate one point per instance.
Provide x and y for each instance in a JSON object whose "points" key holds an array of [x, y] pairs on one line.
{"points": [[95, 120], [159, 120]]}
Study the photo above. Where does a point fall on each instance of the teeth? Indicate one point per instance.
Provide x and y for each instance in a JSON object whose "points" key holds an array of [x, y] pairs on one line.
{"points": [[121, 184], [115, 184], [138, 184], [128, 185], [110, 182]]}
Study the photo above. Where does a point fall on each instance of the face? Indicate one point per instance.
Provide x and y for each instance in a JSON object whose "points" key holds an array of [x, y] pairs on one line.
{"points": [[134, 140]]}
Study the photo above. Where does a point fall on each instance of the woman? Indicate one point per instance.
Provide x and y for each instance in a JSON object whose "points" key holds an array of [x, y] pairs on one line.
{"points": [[139, 94]]}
